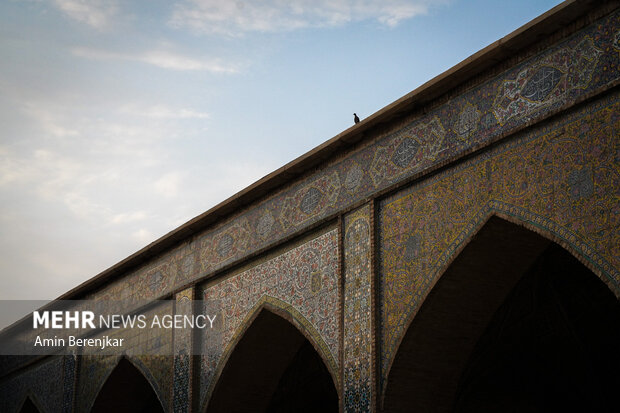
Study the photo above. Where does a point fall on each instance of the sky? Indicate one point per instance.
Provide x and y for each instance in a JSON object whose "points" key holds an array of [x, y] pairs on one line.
{"points": [[122, 120]]}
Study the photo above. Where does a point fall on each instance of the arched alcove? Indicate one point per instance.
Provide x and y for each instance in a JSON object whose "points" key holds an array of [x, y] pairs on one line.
{"points": [[515, 323], [274, 368], [28, 406], [126, 390]]}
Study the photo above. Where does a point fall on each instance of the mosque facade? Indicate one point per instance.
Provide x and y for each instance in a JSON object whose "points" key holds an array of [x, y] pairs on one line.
{"points": [[458, 250]]}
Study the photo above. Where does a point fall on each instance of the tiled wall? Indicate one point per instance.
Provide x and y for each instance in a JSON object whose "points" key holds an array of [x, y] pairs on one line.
{"points": [[560, 180], [358, 312], [301, 281]]}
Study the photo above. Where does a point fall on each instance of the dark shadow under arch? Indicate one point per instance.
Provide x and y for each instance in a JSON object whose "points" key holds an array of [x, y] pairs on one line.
{"points": [[28, 406], [514, 322], [126, 390], [274, 368]]}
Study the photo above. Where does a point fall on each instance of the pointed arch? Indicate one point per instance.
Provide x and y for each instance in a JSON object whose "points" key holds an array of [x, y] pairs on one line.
{"points": [[127, 388], [467, 290], [278, 317], [567, 239], [540, 225], [29, 405]]}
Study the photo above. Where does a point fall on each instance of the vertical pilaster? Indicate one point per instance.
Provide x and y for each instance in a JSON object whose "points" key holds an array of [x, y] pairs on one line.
{"points": [[182, 384], [358, 344], [69, 382]]}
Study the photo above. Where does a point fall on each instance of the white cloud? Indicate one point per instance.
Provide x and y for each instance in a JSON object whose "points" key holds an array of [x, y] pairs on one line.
{"points": [[128, 217], [117, 182], [163, 59], [163, 112], [143, 236], [95, 13], [168, 185], [238, 17], [78, 169], [85, 206], [57, 178], [12, 169], [167, 60], [51, 124]]}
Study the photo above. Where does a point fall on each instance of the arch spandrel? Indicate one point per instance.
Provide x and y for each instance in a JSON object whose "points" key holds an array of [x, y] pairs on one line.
{"points": [[97, 371], [30, 405], [501, 261], [290, 314], [40, 382], [300, 283], [155, 367], [569, 199], [138, 365]]}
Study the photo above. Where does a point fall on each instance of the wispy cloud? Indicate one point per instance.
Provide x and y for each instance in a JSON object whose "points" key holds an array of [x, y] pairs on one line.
{"points": [[238, 17], [143, 236], [127, 217], [161, 58], [95, 13], [169, 184], [71, 169], [52, 124], [163, 112]]}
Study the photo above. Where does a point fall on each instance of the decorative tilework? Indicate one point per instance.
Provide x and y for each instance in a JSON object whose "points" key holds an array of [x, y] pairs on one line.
{"points": [[182, 379], [547, 82], [68, 378], [181, 400], [40, 382], [353, 178], [419, 144], [579, 66], [157, 370], [94, 371], [561, 180], [303, 282], [265, 224], [358, 313], [310, 200], [225, 244], [467, 124], [148, 349]]}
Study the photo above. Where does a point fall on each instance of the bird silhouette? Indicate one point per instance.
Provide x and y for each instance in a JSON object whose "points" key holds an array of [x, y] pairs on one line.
{"points": [[355, 118]]}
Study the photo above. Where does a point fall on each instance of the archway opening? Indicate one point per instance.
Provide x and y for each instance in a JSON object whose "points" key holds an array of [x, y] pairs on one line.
{"points": [[126, 390], [274, 368], [516, 323], [28, 407]]}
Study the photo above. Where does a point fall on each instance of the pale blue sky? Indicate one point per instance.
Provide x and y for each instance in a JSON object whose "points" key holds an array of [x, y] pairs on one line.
{"points": [[121, 120]]}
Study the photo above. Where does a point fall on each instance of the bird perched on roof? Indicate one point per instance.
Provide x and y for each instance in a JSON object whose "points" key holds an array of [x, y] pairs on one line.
{"points": [[355, 118]]}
